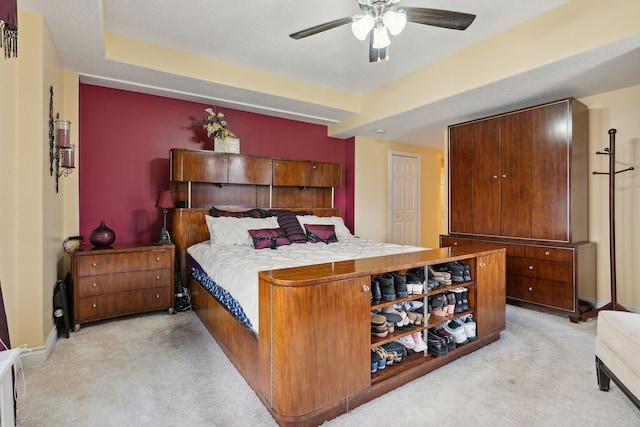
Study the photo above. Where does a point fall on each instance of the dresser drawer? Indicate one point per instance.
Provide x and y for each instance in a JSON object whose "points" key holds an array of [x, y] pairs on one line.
{"points": [[552, 254], [540, 269], [91, 265], [118, 282], [546, 292], [124, 303]]}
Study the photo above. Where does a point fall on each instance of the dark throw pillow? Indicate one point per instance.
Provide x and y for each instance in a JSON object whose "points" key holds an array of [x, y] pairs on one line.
{"points": [[289, 222], [269, 238], [251, 213], [325, 233]]}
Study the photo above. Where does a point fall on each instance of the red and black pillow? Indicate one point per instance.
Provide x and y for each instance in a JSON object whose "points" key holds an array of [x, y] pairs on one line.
{"points": [[325, 233], [289, 222], [251, 213], [269, 238]]}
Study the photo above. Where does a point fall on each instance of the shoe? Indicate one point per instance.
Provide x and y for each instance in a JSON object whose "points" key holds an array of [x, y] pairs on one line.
{"points": [[451, 303], [436, 345], [375, 359], [442, 333], [465, 299], [457, 292], [437, 274], [408, 342], [378, 320], [420, 344], [469, 327], [457, 271], [395, 350], [376, 293], [382, 354], [379, 331], [467, 272], [457, 330], [387, 287], [400, 283], [438, 305]]}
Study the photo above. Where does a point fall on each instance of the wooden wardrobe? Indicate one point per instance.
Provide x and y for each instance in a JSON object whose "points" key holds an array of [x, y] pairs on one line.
{"points": [[521, 179]]}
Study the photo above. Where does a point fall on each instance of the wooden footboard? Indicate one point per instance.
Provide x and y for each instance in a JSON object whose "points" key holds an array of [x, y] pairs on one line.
{"points": [[237, 341]]}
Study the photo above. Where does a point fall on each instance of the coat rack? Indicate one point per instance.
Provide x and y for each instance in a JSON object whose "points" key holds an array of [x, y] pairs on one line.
{"points": [[611, 152]]}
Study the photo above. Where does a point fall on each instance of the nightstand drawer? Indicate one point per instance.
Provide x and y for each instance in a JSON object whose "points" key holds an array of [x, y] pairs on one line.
{"points": [[124, 303], [118, 282], [97, 264], [546, 292]]}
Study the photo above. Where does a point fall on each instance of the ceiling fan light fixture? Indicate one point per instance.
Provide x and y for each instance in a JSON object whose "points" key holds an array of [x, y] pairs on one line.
{"points": [[380, 37], [362, 26], [394, 21]]}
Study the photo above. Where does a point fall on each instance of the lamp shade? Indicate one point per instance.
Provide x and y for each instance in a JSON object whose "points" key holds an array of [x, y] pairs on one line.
{"points": [[362, 26], [165, 200], [380, 37], [394, 21]]}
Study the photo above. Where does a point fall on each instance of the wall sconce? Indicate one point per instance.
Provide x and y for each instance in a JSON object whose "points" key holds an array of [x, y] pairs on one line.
{"points": [[61, 153], [165, 201]]}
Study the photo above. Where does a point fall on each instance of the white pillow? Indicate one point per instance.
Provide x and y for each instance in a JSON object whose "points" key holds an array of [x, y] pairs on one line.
{"points": [[342, 232], [235, 231]]}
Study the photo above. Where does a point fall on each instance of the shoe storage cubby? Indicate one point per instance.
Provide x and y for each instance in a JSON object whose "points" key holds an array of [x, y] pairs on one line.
{"points": [[429, 319], [332, 299]]}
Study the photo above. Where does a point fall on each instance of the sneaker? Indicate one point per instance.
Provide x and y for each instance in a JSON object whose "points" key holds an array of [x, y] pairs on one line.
{"points": [[420, 344], [438, 305], [457, 271], [408, 342], [451, 303], [458, 292], [400, 283], [469, 327], [387, 287], [457, 330]]}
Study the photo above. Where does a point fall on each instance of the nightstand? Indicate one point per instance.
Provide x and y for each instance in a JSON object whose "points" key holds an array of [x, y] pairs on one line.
{"points": [[122, 280]]}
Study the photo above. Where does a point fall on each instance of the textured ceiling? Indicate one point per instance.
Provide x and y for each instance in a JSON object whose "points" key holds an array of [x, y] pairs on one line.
{"points": [[254, 36]]}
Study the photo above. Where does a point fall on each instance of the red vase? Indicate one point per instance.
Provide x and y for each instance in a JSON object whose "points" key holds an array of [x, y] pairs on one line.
{"points": [[102, 236]]}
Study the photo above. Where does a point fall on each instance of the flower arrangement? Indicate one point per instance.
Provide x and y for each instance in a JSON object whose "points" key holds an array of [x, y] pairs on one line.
{"points": [[216, 125]]}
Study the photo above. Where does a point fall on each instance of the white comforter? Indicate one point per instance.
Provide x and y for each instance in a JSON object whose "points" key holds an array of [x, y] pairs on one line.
{"points": [[235, 267]]}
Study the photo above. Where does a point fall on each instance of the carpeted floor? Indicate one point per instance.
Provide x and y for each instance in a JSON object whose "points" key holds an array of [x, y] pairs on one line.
{"points": [[163, 370]]}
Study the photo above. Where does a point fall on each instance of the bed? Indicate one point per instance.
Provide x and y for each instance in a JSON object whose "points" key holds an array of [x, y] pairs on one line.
{"points": [[305, 348]]}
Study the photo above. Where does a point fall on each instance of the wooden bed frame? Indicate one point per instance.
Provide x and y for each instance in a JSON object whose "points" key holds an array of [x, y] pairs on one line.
{"points": [[310, 362]]}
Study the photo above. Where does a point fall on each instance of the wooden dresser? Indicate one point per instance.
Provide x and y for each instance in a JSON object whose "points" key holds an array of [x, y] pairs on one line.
{"points": [[122, 280], [521, 179]]}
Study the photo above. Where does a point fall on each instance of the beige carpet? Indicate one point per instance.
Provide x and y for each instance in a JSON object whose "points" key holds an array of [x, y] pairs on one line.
{"points": [[163, 370]]}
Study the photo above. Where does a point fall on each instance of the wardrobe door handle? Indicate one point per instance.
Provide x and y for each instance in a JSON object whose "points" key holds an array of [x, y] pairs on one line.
{"points": [[365, 288], [482, 265], [504, 175], [530, 288]]}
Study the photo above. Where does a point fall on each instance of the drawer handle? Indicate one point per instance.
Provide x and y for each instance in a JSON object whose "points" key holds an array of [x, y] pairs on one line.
{"points": [[94, 264], [546, 253], [530, 288], [482, 265], [504, 175], [495, 176], [158, 277], [157, 296], [365, 288], [157, 258], [93, 305], [94, 284], [531, 267], [455, 243]]}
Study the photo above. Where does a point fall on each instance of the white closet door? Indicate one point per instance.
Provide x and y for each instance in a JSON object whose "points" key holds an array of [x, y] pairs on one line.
{"points": [[404, 198]]}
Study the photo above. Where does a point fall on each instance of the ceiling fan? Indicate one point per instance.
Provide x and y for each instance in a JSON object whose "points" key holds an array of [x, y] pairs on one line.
{"points": [[384, 17]]}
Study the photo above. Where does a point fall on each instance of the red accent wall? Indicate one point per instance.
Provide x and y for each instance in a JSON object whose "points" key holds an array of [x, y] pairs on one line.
{"points": [[125, 138]]}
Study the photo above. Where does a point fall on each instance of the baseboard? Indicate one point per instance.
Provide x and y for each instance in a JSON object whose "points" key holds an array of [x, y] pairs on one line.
{"points": [[37, 355]]}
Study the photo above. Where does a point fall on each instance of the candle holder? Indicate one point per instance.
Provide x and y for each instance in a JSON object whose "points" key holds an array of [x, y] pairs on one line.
{"points": [[61, 153]]}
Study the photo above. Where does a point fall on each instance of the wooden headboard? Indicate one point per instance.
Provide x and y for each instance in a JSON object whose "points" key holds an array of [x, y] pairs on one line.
{"points": [[190, 227]]}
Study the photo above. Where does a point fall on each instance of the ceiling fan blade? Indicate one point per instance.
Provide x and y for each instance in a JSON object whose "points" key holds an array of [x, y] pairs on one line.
{"points": [[320, 28], [376, 55], [439, 18]]}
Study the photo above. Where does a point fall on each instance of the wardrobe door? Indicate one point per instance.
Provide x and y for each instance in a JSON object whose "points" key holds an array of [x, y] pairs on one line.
{"points": [[461, 158], [515, 175], [485, 197], [550, 172]]}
